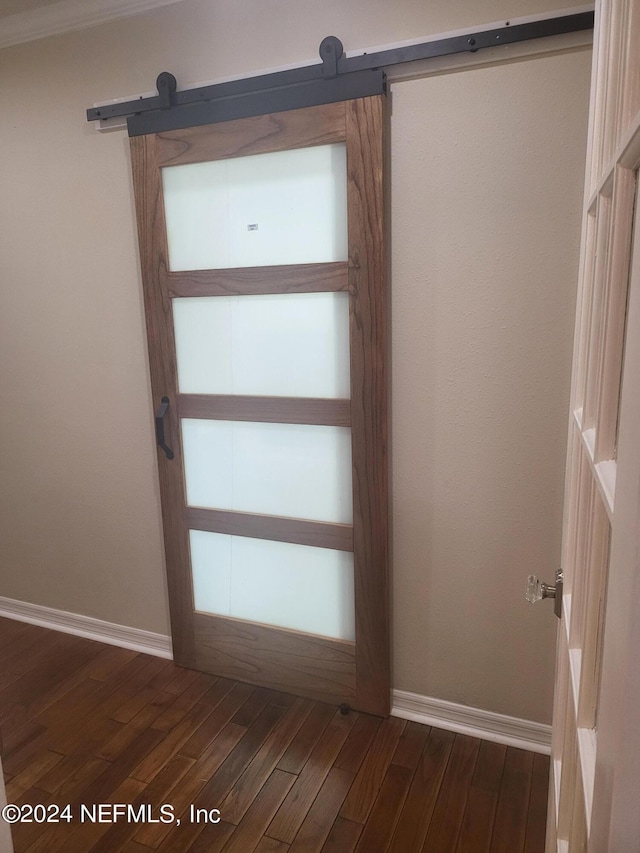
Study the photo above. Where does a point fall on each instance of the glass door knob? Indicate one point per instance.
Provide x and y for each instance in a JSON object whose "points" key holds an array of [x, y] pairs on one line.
{"points": [[537, 590]]}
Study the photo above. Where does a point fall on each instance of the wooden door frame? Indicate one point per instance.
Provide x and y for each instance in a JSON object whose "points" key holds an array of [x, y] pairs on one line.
{"points": [[358, 674]]}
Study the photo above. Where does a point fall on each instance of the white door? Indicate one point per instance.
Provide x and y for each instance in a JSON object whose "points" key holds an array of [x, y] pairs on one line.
{"points": [[594, 802]]}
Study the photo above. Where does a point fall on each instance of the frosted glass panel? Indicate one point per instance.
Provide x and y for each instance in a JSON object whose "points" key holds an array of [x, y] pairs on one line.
{"points": [[290, 470], [287, 207], [276, 583], [288, 345]]}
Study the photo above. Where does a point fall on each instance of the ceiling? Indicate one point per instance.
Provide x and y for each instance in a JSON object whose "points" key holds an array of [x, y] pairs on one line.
{"points": [[12, 7], [25, 20]]}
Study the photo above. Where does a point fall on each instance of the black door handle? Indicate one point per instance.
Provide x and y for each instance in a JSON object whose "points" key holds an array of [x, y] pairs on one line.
{"points": [[162, 411]]}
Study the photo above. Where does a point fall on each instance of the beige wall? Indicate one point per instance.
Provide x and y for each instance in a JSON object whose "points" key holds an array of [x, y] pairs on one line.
{"points": [[486, 176], [484, 263]]}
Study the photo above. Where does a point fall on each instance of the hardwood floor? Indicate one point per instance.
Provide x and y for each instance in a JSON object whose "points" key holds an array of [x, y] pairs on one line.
{"points": [[86, 723]]}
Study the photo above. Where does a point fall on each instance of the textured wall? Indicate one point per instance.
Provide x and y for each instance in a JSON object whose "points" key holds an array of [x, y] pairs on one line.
{"points": [[484, 260], [486, 175]]}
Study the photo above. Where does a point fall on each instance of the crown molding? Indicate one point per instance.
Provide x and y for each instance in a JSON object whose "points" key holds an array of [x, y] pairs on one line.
{"points": [[67, 16]]}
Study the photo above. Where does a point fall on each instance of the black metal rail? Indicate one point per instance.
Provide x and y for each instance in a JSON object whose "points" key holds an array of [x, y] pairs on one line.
{"points": [[337, 77]]}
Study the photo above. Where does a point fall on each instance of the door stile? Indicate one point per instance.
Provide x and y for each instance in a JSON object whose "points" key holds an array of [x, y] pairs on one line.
{"points": [[368, 324], [164, 382]]}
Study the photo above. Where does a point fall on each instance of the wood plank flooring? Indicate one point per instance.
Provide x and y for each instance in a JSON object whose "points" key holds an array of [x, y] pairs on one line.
{"points": [[86, 723]]}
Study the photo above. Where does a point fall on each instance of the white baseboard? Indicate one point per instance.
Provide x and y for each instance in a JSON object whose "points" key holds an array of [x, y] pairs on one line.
{"points": [[85, 626], [487, 725], [410, 706]]}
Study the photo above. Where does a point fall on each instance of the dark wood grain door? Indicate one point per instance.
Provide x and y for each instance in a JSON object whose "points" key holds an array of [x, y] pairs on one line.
{"points": [[263, 265]]}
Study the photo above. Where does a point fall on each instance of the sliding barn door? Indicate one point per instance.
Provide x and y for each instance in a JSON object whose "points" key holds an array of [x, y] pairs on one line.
{"points": [[594, 786], [263, 263]]}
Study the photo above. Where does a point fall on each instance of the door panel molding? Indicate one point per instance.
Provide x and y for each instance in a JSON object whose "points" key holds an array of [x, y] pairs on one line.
{"points": [[258, 135], [281, 410], [315, 533], [256, 281], [319, 667]]}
